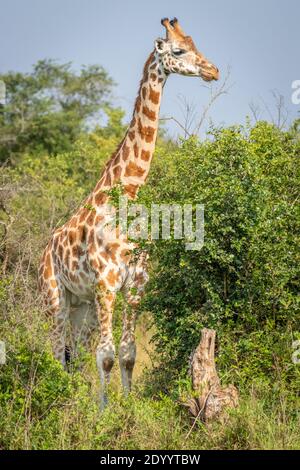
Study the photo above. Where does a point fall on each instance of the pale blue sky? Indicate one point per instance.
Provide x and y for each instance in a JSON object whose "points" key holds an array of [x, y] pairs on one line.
{"points": [[258, 39]]}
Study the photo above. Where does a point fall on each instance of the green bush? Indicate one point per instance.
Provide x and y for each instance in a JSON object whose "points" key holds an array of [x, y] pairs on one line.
{"points": [[244, 282]]}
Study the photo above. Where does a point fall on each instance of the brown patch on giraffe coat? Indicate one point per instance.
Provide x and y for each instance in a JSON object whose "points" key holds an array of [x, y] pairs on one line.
{"points": [[131, 190], [90, 219], [117, 172], [146, 132], [99, 266], [138, 104], [60, 251], [112, 249], [112, 277], [101, 286], [72, 237], [67, 258], [126, 152], [131, 135], [75, 265], [109, 253], [100, 198], [144, 92], [81, 233], [84, 212], [55, 242], [153, 76], [154, 95], [73, 222], [53, 283], [98, 220], [136, 150], [92, 249], [149, 113], [117, 159], [109, 165], [91, 239], [107, 181], [77, 251], [105, 255], [145, 155], [132, 169], [125, 255], [48, 267], [94, 263]]}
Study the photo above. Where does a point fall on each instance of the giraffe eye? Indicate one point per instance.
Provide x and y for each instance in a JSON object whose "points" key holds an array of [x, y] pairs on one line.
{"points": [[178, 52]]}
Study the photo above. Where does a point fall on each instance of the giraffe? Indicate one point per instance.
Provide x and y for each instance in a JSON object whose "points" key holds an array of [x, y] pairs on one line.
{"points": [[81, 271]]}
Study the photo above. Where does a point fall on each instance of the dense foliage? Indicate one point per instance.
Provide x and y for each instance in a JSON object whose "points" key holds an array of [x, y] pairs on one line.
{"points": [[245, 280], [46, 110]]}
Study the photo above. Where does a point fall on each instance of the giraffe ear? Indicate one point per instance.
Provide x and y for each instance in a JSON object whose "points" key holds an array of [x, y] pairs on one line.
{"points": [[161, 46]]}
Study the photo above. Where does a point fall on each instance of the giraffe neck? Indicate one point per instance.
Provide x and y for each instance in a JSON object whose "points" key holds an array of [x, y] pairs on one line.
{"points": [[130, 164]]}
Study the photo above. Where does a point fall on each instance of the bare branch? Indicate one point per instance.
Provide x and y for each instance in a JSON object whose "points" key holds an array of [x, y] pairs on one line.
{"points": [[189, 112], [255, 110], [279, 117], [171, 118]]}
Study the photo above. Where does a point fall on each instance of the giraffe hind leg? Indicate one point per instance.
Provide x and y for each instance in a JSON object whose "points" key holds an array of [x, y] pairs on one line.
{"points": [[83, 321], [57, 309], [105, 354]]}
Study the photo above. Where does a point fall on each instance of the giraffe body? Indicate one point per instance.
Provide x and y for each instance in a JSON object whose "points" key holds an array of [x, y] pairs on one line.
{"points": [[85, 264]]}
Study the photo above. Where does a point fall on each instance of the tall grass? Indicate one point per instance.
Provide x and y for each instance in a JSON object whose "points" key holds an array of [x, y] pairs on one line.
{"points": [[43, 407]]}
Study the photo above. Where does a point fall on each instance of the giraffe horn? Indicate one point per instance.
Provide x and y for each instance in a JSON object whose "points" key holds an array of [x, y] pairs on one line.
{"points": [[169, 30], [177, 28]]}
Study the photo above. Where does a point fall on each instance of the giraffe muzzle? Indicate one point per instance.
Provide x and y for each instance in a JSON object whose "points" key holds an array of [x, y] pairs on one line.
{"points": [[210, 73]]}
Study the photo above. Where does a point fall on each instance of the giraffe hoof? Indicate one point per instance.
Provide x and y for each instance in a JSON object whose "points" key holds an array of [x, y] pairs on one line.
{"points": [[67, 355]]}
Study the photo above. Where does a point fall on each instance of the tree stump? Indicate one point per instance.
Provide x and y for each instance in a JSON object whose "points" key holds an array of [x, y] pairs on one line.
{"points": [[211, 398]]}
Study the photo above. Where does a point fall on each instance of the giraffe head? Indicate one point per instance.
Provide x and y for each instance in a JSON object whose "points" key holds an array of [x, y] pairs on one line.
{"points": [[178, 54]]}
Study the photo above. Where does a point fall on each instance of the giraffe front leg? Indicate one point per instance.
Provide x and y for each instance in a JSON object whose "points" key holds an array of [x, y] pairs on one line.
{"points": [[127, 351], [133, 292], [105, 354]]}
